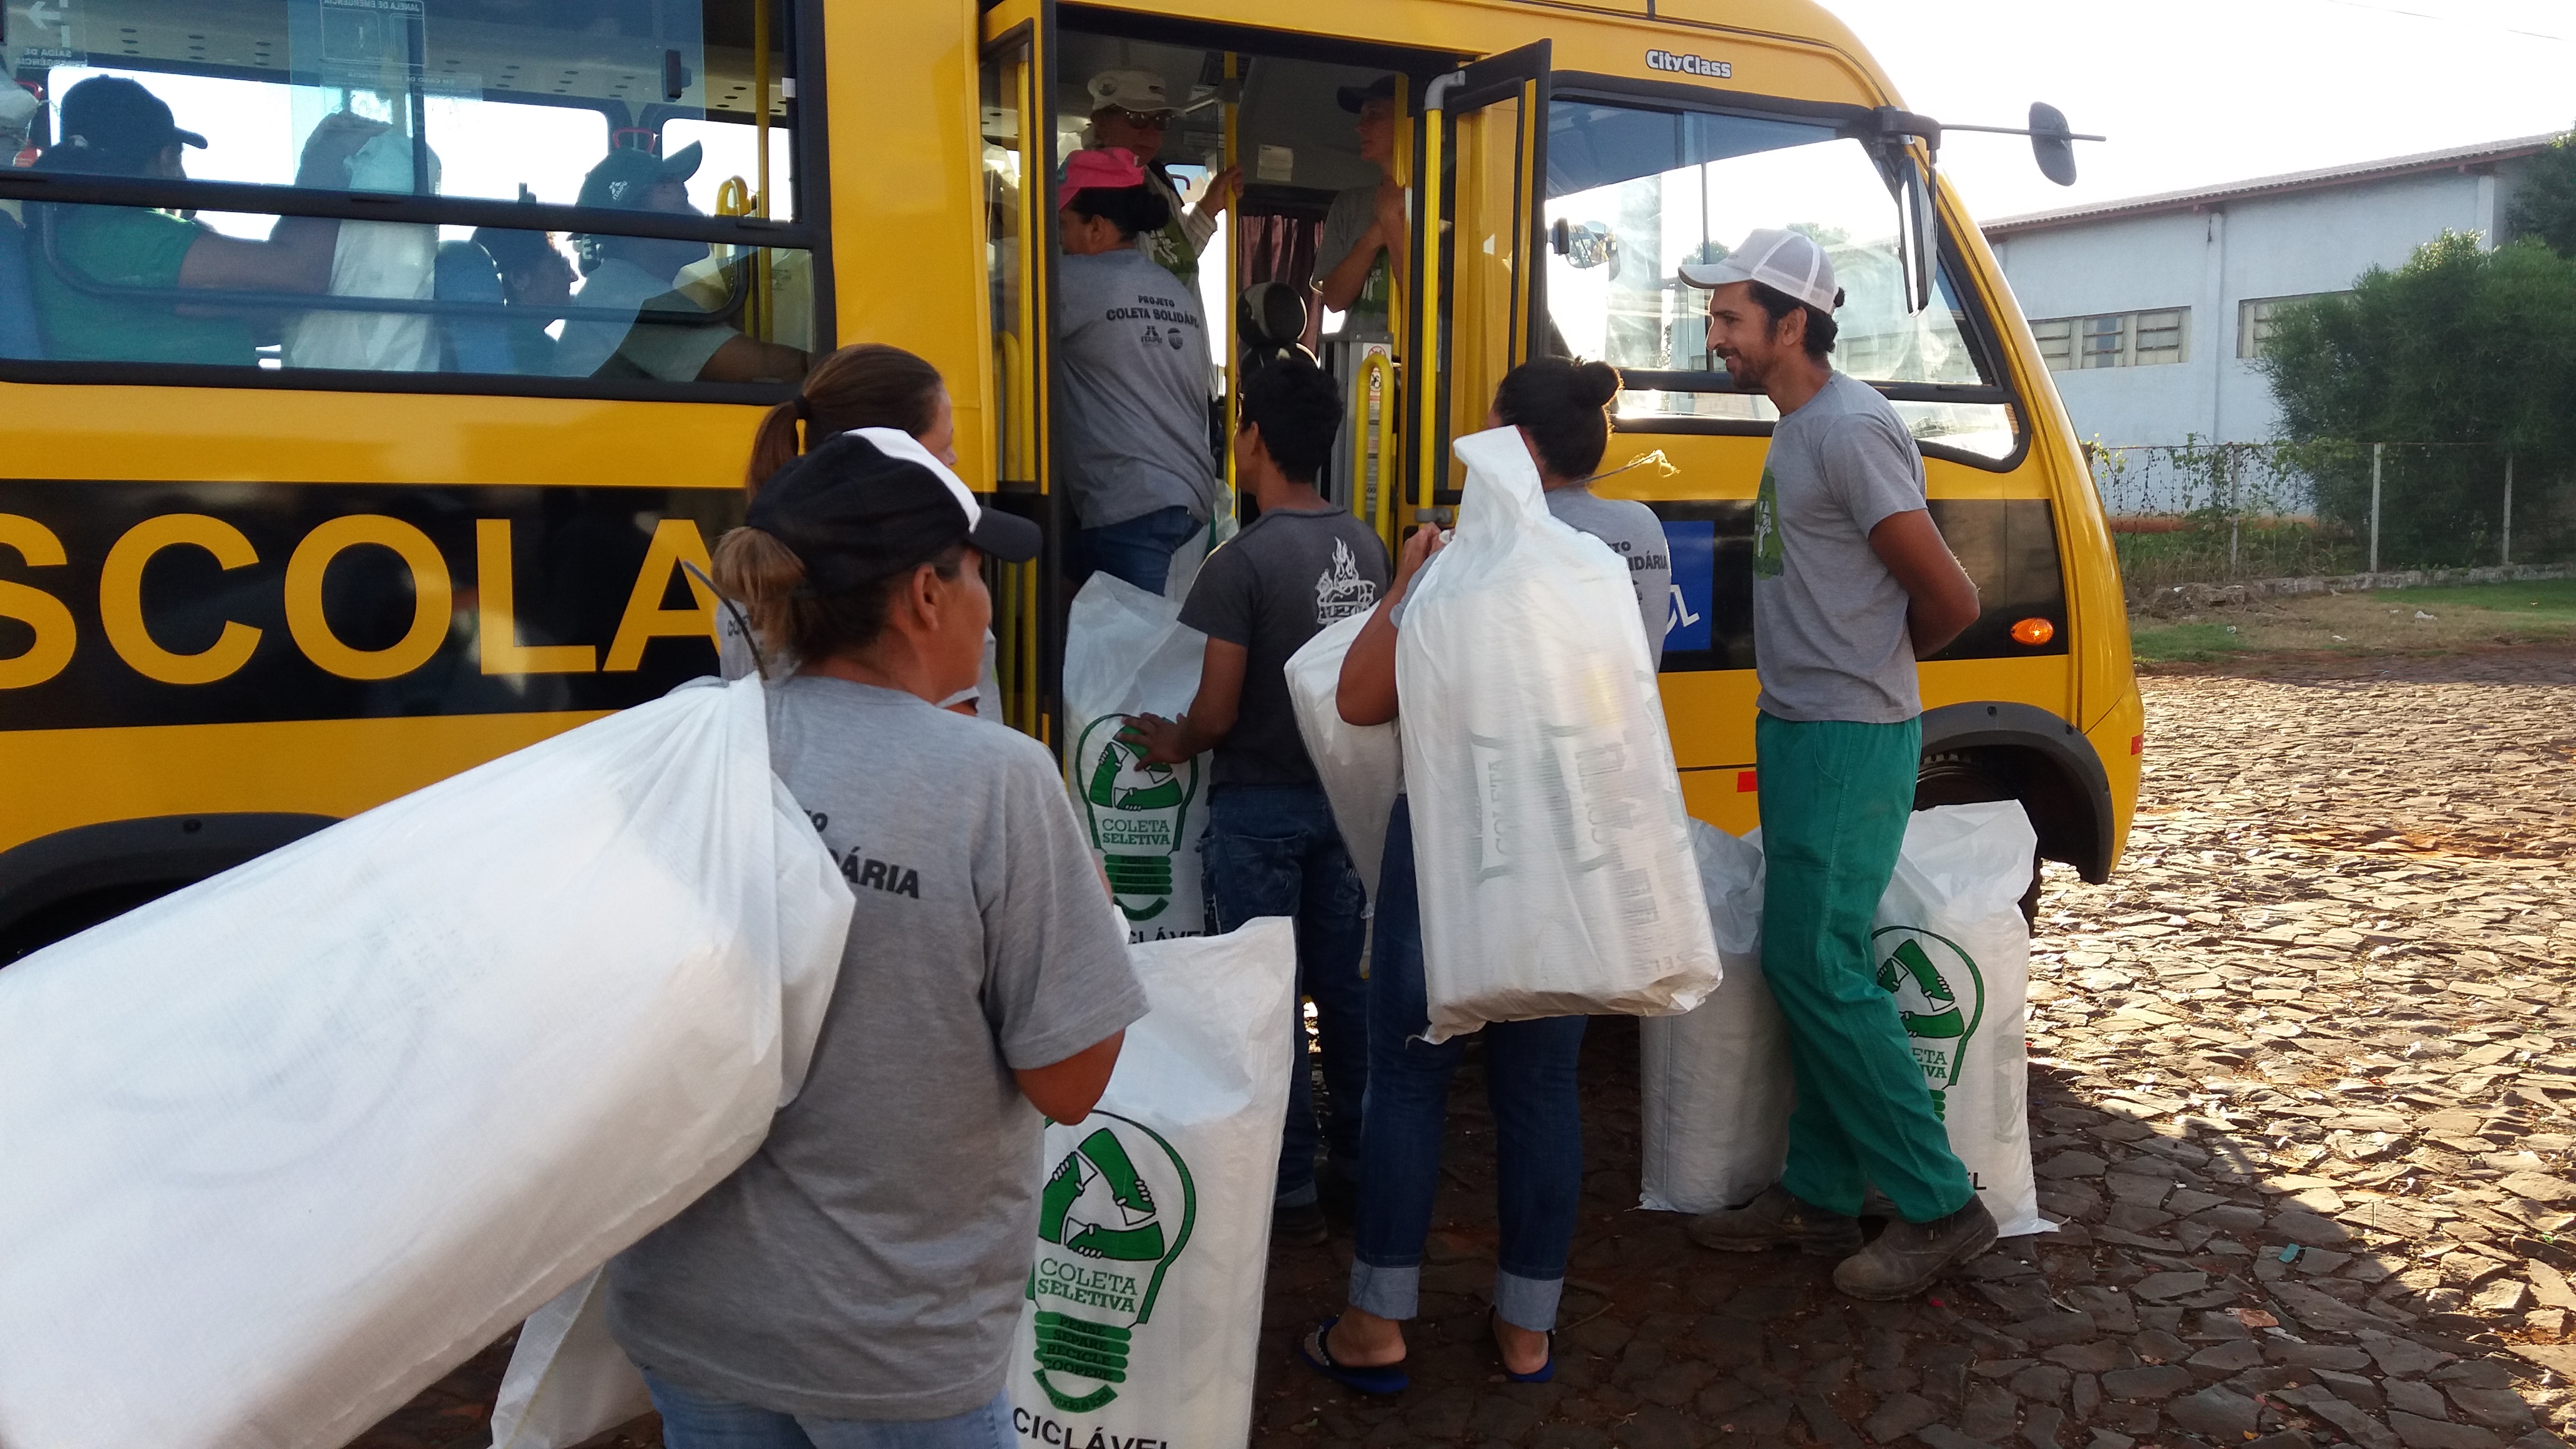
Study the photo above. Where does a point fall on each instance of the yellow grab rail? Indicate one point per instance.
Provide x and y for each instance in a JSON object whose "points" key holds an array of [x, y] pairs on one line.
{"points": [[1376, 372]]}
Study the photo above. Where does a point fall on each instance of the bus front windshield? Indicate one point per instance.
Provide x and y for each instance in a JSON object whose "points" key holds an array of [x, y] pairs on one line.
{"points": [[1633, 193]]}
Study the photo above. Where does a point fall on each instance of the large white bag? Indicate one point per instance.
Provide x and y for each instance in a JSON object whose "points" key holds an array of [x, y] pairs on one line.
{"points": [[1125, 653], [288, 1145], [1717, 1088], [1953, 947], [1144, 1313], [1361, 766], [1550, 842]]}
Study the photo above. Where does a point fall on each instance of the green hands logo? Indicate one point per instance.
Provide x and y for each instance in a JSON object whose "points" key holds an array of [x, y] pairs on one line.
{"points": [[1940, 996], [1115, 1213], [1767, 560], [1138, 814]]}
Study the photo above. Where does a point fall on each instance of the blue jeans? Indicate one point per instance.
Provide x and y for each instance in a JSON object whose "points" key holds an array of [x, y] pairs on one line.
{"points": [[1273, 850], [1137, 549], [1538, 1124], [691, 1420]]}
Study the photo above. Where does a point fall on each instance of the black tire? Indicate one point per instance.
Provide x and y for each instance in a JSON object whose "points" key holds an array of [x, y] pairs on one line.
{"points": [[1950, 778]]}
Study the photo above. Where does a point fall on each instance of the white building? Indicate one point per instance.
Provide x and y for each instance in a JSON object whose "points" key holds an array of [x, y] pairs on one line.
{"points": [[2152, 311]]}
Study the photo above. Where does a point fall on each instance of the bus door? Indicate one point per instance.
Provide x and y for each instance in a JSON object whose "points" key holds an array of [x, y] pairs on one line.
{"points": [[1476, 301], [1018, 180]]}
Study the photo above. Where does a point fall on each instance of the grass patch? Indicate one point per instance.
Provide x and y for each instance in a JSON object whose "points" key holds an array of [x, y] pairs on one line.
{"points": [[2185, 643], [2378, 622]]}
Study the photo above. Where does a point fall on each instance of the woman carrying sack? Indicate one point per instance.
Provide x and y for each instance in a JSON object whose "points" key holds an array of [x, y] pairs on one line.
{"points": [[1562, 410], [856, 1284]]}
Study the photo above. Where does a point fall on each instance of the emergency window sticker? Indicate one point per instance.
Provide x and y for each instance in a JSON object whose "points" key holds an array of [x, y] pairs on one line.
{"points": [[1698, 65]]}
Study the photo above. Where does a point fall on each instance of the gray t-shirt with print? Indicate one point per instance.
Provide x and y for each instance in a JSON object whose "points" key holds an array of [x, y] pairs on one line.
{"points": [[1133, 419], [1829, 636], [1270, 589], [1633, 532], [868, 1261]]}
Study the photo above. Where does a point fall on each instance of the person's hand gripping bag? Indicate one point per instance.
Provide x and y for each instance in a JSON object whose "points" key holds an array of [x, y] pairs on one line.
{"points": [[1952, 947], [1361, 766], [288, 1145], [1126, 652], [1550, 844], [1142, 1323], [1716, 1085]]}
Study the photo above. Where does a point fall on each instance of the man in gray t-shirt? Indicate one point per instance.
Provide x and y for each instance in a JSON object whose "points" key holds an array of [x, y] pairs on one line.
{"points": [[1273, 846], [867, 1263], [1362, 253], [1851, 585]]}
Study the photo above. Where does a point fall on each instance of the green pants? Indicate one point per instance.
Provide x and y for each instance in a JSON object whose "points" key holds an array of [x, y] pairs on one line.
{"points": [[1835, 799]]}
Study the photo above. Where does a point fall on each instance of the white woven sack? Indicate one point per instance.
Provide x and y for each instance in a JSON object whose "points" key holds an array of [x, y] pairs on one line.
{"points": [[1143, 1320], [1550, 842], [288, 1145], [1717, 1082], [1125, 653], [1361, 766], [1951, 943]]}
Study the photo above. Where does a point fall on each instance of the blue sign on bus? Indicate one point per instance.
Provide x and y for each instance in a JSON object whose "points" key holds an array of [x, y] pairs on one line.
{"points": [[1693, 549]]}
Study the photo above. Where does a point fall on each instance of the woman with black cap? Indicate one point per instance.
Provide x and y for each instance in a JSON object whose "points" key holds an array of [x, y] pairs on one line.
{"points": [[857, 1282]]}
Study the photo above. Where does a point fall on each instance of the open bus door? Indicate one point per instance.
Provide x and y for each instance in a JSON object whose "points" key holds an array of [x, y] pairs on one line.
{"points": [[1016, 123], [1476, 302]]}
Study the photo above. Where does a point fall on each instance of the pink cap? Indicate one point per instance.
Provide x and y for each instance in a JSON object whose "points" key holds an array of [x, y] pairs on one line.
{"points": [[1110, 168]]}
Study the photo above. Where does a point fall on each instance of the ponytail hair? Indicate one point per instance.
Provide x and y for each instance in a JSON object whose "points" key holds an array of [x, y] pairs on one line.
{"points": [[1564, 406], [763, 575], [865, 385]]}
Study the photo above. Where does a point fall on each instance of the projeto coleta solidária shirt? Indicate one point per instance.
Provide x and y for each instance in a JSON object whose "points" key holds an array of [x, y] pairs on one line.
{"points": [[1829, 634], [1132, 416], [868, 1261]]}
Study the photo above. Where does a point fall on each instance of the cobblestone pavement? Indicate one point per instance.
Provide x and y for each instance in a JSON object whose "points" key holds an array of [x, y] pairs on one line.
{"points": [[2302, 1090]]}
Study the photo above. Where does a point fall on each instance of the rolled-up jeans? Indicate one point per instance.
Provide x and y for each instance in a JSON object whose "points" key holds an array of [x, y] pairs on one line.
{"points": [[1538, 1125], [692, 1420]]}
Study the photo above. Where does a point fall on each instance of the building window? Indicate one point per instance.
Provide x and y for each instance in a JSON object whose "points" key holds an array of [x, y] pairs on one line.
{"points": [[2256, 316], [2114, 339]]}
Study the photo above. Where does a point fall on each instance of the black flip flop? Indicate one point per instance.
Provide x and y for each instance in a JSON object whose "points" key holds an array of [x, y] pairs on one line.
{"points": [[1317, 1353]]}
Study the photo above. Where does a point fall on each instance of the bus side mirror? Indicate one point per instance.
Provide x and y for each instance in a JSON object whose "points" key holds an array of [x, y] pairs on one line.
{"points": [[2052, 143], [1920, 237]]}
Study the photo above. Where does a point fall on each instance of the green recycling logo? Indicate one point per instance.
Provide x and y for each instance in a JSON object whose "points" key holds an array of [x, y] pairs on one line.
{"points": [[1115, 1214], [1940, 996], [1138, 814]]}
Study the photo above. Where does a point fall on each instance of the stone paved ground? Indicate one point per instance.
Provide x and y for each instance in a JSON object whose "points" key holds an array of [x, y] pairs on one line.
{"points": [[2303, 1090]]}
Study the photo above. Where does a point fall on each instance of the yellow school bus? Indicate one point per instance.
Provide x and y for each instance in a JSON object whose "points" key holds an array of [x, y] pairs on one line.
{"points": [[286, 533]]}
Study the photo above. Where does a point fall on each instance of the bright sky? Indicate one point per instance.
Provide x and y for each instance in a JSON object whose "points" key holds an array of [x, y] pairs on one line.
{"points": [[2193, 92]]}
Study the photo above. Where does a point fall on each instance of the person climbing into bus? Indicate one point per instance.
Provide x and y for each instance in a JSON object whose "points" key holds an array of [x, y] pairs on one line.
{"points": [[1132, 354], [1366, 242], [101, 273], [1852, 584], [858, 1280], [630, 276], [1272, 847], [1562, 411], [1130, 110]]}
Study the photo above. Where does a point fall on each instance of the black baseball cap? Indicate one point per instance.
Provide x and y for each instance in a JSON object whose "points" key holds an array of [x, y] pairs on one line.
{"points": [[1354, 97], [118, 117], [627, 175], [869, 504]]}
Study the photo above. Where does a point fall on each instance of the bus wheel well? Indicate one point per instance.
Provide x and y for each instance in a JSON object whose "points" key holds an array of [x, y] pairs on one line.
{"points": [[61, 884]]}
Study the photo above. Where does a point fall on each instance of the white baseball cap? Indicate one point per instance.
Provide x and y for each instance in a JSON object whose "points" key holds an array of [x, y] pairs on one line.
{"points": [[1140, 91], [1785, 261]]}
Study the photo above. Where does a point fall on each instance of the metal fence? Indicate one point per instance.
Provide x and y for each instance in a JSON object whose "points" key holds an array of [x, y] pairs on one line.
{"points": [[2209, 512]]}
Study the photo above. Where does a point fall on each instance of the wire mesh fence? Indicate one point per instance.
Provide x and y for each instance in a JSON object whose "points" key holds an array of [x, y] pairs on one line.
{"points": [[2211, 512]]}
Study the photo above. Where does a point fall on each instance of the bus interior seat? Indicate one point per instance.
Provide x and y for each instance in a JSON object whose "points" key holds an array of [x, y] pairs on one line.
{"points": [[1271, 316], [20, 336]]}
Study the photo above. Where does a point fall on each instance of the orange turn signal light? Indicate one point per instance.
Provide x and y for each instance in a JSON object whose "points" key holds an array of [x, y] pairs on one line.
{"points": [[2033, 632]]}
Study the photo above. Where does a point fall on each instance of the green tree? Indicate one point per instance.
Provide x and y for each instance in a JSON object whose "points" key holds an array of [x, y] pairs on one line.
{"points": [[2471, 350], [2545, 206]]}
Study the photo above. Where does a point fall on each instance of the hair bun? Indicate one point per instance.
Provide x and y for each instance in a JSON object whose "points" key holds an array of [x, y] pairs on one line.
{"points": [[1596, 383]]}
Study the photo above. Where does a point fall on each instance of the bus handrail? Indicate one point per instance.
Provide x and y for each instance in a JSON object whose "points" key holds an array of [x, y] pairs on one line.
{"points": [[1381, 367]]}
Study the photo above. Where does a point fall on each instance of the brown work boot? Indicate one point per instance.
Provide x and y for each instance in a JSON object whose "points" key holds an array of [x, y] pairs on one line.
{"points": [[1905, 1259], [1777, 1219]]}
